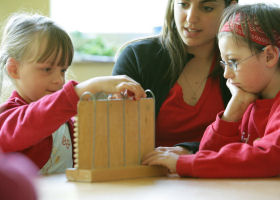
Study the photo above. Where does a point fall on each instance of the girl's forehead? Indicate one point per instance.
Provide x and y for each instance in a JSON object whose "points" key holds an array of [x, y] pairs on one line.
{"points": [[56, 59], [229, 42], [45, 51], [43, 57], [233, 37]]}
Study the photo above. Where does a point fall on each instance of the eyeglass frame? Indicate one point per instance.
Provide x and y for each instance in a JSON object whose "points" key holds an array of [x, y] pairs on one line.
{"points": [[233, 65]]}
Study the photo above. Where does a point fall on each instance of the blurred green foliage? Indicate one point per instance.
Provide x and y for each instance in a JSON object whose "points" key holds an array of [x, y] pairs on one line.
{"points": [[89, 45]]}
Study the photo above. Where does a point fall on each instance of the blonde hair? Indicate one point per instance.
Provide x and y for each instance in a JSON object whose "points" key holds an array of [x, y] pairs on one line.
{"points": [[34, 38]]}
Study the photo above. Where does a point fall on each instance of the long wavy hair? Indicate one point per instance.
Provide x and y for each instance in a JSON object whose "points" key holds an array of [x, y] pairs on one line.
{"points": [[172, 42]]}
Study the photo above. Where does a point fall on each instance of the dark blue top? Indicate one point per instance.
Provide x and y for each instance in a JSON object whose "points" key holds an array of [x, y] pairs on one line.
{"points": [[147, 62]]}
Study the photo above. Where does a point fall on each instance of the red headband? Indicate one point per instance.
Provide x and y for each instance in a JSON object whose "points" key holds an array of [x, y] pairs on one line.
{"points": [[256, 33]]}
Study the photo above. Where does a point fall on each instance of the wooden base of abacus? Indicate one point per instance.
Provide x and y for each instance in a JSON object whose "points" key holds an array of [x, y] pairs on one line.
{"points": [[111, 138], [98, 175]]}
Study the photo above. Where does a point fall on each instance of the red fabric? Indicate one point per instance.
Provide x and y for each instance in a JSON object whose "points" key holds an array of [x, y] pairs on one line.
{"points": [[27, 128], [179, 122], [224, 153], [256, 33], [17, 176]]}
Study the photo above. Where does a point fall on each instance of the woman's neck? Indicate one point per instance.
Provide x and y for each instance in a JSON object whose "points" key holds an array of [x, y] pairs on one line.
{"points": [[205, 52]]}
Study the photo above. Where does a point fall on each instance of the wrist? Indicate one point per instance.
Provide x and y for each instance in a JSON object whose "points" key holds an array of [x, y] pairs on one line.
{"points": [[235, 109], [90, 85]]}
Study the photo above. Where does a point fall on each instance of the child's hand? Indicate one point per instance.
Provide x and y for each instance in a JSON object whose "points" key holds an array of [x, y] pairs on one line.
{"points": [[238, 103], [241, 95], [122, 95], [162, 157], [112, 85], [178, 150]]}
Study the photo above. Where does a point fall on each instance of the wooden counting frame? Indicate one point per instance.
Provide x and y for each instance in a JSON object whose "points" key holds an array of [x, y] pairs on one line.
{"points": [[111, 137]]}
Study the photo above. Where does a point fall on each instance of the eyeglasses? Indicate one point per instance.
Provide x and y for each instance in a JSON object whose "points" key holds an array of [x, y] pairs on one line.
{"points": [[232, 64]]}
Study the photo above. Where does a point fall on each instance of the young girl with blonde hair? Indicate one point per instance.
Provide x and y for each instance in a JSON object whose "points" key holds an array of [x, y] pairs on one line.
{"points": [[36, 120]]}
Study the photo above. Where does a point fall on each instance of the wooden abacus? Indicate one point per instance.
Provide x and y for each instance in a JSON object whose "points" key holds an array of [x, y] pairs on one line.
{"points": [[111, 137]]}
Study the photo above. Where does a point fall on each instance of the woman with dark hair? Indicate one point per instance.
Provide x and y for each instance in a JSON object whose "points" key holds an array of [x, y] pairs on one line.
{"points": [[181, 67], [244, 140]]}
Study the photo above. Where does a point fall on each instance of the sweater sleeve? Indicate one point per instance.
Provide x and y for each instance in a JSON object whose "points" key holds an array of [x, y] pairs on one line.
{"points": [[219, 133], [225, 156], [24, 125]]}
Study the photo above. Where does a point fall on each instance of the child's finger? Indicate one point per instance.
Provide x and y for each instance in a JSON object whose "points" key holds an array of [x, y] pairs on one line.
{"points": [[150, 159], [115, 96], [130, 93], [132, 88], [149, 156]]}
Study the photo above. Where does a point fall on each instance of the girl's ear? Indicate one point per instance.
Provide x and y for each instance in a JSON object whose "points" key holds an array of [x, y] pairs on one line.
{"points": [[12, 67], [272, 55]]}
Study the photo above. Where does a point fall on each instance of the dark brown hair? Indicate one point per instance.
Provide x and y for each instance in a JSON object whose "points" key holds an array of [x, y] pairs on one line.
{"points": [[173, 43]]}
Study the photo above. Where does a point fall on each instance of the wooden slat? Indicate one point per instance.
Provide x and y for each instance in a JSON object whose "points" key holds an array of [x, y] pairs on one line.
{"points": [[85, 134], [147, 125], [101, 136], [116, 127], [131, 133]]}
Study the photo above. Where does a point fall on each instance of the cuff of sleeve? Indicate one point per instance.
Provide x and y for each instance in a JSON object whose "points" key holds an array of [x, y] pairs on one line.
{"points": [[192, 147], [227, 128], [71, 93], [184, 165]]}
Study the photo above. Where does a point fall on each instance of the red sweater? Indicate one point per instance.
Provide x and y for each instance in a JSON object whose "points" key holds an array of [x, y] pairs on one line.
{"points": [[224, 152], [179, 122], [28, 128]]}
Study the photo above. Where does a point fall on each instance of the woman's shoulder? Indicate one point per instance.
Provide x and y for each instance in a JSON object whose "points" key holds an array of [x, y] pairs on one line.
{"points": [[149, 44], [145, 55]]}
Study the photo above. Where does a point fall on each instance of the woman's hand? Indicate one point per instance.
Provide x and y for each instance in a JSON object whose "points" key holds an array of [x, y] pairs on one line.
{"points": [[178, 150], [165, 156], [120, 84], [238, 103]]}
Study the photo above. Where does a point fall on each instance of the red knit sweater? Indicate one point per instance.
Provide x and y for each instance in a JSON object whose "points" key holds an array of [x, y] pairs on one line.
{"points": [[28, 128], [249, 148]]}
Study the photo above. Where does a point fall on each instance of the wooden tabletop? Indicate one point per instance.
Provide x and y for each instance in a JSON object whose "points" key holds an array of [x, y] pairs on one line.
{"points": [[57, 187]]}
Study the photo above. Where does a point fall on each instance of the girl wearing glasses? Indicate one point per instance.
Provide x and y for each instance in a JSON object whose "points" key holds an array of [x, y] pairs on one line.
{"points": [[244, 141]]}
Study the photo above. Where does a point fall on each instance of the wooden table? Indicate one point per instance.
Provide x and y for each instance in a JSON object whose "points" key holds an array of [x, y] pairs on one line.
{"points": [[57, 187]]}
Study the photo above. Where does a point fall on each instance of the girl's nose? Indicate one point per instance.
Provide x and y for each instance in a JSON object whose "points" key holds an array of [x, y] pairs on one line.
{"points": [[228, 73], [59, 78], [192, 14]]}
